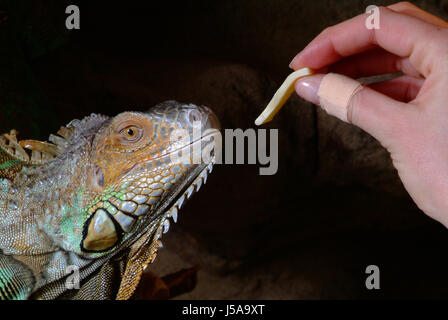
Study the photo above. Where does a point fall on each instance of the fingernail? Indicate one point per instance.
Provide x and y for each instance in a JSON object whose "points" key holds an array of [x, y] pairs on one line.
{"points": [[308, 87], [291, 63]]}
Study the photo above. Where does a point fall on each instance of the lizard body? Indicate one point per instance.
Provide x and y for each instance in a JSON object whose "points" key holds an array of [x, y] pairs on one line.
{"points": [[98, 196]]}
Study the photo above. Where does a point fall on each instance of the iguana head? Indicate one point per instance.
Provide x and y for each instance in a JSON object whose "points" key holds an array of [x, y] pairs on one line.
{"points": [[109, 181], [141, 168]]}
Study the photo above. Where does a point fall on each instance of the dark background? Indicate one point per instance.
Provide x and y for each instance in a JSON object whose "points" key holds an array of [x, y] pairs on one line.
{"points": [[336, 204]]}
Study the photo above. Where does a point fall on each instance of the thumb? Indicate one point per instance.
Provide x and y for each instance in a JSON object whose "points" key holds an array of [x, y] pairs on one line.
{"points": [[348, 100]]}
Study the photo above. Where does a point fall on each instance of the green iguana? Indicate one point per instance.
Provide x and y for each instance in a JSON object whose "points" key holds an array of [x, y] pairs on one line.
{"points": [[97, 198]]}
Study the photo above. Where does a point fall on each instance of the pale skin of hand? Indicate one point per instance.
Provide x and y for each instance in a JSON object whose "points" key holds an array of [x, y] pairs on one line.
{"points": [[409, 114]]}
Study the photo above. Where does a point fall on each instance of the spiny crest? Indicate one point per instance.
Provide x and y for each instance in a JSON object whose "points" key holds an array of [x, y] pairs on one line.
{"points": [[43, 151]]}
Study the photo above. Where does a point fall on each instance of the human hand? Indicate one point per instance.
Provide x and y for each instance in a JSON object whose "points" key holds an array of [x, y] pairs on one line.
{"points": [[408, 114]]}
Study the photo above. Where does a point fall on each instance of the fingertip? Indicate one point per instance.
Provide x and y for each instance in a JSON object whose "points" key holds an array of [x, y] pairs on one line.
{"points": [[300, 60], [293, 64]]}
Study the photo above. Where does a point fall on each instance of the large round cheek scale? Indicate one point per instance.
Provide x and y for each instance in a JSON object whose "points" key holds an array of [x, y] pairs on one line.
{"points": [[335, 93], [282, 95]]}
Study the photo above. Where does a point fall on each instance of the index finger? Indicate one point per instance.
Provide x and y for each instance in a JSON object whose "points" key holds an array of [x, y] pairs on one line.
{"points": [[400, 34], [414, 11]]}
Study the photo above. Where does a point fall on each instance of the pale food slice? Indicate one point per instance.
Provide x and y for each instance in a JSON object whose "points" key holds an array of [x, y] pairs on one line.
{"points": [[282, 95]]}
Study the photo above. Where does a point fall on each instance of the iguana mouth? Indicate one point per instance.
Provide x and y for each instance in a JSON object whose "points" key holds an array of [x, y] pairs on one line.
{"points": [[172, 153]]}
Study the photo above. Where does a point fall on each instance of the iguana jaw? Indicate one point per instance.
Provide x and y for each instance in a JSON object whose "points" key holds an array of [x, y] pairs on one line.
{"points": [[169, 208], [174, 203]]}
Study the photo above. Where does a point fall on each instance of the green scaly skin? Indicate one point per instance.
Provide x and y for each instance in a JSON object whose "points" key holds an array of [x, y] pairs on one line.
{"points": [[96, 198]]}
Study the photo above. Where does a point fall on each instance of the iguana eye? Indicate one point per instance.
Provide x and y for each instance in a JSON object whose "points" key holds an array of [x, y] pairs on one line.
{"points": [[131, 133]]}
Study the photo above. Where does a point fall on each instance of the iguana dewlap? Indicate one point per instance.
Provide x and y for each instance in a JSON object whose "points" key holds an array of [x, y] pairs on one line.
{"points": [[97, 197]]}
